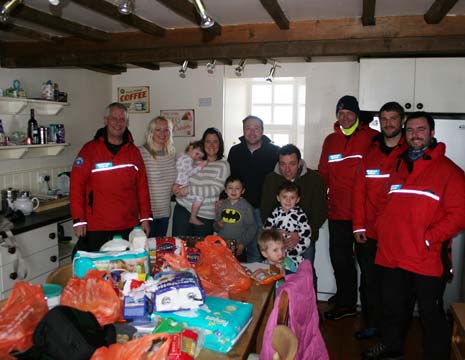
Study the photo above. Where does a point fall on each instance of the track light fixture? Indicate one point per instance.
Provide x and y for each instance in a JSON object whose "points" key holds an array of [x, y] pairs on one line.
{"points": [[6, 9], [54, 2], [183, 70], [205, 20], [240, 68], [270, 76], [211, 66], [126, 7]]}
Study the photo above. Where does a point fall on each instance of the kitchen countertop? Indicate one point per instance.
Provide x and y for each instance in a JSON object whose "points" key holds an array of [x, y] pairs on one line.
{"points": [[35, 220]]}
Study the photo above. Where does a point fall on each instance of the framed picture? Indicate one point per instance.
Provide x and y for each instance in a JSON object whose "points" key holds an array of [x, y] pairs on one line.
{"points": [[183, 121], [136, 98]]}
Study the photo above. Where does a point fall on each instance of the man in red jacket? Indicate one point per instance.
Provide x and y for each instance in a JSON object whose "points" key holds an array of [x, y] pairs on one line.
{"points": [[425, 208], [369, 196], [109, 193], [342, 152]]}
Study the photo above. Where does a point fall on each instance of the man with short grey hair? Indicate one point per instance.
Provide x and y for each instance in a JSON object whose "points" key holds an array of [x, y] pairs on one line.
{"points": [[251, 160]]}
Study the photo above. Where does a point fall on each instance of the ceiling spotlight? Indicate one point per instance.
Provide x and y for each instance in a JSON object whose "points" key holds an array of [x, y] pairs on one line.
{"points": [[205, 20], [54, 2], [211, 66], [6, 9], [126, 7], [240, 68], [270, 76], [182, 71]]}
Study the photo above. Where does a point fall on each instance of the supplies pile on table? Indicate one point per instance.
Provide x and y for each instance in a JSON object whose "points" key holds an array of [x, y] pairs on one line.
{"points": [[165, 304]]}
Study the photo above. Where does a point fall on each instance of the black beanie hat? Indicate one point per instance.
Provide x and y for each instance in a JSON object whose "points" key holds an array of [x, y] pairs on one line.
{"points": [[348, 102]]}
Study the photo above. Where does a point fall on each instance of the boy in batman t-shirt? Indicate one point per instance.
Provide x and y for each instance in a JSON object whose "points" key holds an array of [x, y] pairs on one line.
{"points": [[234, 219]]}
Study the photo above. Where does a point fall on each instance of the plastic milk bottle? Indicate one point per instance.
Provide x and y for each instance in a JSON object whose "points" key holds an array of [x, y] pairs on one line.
{"points": [[138, 239]]}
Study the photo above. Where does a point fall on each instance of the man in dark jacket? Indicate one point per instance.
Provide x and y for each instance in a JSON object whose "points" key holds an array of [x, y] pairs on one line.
{"points": [[252, 160], [109, 192]]}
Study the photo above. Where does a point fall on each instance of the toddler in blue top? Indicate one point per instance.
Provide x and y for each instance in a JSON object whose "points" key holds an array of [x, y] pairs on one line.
{"points": [[273, 249]]}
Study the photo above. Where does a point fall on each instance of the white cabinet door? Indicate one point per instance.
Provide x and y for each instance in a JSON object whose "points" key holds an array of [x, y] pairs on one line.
{"points": [[31, 242], [38, 264], [384, 80], [440, 85]]}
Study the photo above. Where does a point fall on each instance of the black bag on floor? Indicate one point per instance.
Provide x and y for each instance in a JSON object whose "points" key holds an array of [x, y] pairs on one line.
{"points": [[66, 333]]}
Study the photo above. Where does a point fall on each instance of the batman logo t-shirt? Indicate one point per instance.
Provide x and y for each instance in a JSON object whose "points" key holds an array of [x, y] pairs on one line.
{"points": [[230, 216]]}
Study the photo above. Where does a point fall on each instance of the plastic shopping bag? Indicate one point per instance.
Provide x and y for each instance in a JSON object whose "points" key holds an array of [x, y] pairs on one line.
{"points": [[18, 319], [150, 347], [218, 268], [94, 293]]}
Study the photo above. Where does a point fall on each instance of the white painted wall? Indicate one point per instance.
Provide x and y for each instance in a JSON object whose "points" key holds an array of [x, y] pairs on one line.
{"points": [[88, 94], [169, 92], [326, 83]]}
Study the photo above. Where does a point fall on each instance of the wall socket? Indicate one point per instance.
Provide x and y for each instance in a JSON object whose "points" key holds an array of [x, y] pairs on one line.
{"points": [[41, 178]]}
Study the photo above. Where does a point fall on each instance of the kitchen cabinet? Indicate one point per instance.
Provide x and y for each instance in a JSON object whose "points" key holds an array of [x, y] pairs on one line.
{"points": [[434, 85], [15, 106], [39, 249]]}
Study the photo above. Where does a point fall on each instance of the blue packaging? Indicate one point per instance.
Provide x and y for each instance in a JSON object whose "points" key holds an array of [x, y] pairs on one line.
{"points": [[138, 307], [222, 320]]}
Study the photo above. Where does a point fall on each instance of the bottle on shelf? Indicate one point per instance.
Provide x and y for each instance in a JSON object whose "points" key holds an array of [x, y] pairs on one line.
{"points": [[32, 130], [3, 137]]}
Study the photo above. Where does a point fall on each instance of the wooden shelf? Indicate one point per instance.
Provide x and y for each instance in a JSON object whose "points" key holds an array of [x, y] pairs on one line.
{"points": [[30, 151], [13, 106]]}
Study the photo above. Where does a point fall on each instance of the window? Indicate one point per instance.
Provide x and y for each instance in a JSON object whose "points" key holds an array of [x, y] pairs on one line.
{"points": [[280, 104]]}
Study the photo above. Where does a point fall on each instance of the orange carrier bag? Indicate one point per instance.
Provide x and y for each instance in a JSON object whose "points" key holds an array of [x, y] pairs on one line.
{"points": [[94, 293], [218, 268], [150, 347], [26, 306]]}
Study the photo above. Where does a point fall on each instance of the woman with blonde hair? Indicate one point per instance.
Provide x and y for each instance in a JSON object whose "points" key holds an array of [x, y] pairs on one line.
{"points": [[159, 157]]}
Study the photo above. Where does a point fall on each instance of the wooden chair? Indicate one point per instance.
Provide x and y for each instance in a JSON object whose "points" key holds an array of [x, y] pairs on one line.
{"points": [[61, 275], [284, 342], [283, 339]]}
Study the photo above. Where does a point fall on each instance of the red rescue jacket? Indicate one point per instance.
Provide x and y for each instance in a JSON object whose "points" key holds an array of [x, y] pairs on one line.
{"points": [[372, 185], [109, 192], [424, 208], [340, 158]]}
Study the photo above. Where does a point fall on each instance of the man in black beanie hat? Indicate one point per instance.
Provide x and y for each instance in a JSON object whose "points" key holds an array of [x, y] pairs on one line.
{"points": [[342, 152]]}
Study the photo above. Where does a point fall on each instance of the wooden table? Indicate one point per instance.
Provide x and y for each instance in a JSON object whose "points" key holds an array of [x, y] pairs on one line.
{"points": [[458, 332], [261, 297]]}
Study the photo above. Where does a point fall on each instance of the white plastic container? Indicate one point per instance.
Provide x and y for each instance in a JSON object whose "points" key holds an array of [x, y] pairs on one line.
{"points": [[138, 239]]}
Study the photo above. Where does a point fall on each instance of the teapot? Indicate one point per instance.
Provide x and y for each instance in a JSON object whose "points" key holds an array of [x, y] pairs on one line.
{"points": [[25, 204]]}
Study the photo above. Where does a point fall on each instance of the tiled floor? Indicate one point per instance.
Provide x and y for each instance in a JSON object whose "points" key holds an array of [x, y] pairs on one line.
{"points": [[342, 345]]}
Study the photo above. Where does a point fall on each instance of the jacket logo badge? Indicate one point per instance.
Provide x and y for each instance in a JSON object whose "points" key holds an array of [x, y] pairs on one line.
{"points": [[78, 161]]}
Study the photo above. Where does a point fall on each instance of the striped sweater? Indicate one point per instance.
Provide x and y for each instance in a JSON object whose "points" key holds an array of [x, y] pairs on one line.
{"points": [[208, 184], [161, 174]]}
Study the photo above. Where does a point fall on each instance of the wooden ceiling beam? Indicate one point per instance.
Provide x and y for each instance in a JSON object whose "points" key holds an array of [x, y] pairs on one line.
{"points": [[108, 9], [331, 29], [438, 10], [106, 69], [187, 10], [368, 13], [276, 12], [29, 33], [425, 46], [147, 65], [58, 23]]}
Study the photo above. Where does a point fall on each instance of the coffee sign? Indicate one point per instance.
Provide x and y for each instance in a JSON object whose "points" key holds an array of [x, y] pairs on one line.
{"points": [[136, 98]]}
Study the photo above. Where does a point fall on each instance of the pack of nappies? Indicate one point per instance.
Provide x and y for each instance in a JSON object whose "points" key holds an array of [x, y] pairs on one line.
{"points": [[222, 320], [115, 262]]}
